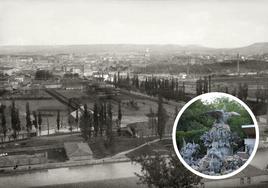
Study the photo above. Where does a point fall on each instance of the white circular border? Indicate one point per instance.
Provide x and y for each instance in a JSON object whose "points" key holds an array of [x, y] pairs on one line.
{"points": [[205, 175]]}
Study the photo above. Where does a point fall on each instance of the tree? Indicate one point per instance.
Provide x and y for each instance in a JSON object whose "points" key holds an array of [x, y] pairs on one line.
{"points": [[104, 116], [119, 113], [176, 112], [58, 120], [101, 119], [15, 121], [35, 120], [77, 117], [3, 122], [28, 118], [161, 172], [85, 124], [162, 118], [39, 122], [96, 119], [69, 121], [109, 124], [152, 120]]}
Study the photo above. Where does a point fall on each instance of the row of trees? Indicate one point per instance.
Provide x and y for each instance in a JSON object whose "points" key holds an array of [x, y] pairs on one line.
{"points": [[100, 121], [168, 88], [203, 85], [15, 119], [158, 120]]}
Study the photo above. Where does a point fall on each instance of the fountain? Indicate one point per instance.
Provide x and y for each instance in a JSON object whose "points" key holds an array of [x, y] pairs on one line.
{"points": [[219, 158]]}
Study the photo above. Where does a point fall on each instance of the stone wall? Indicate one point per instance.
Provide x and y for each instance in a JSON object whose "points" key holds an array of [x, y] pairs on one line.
{"points": [[20, 160]]}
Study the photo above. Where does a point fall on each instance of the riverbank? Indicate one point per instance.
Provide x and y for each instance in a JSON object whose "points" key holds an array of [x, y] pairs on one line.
{"points": [[131, 182], [117, 158], [28, 169], [71, 175]]}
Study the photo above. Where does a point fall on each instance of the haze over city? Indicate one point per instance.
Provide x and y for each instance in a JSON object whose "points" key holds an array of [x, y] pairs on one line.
{"points": [[210, 23]]}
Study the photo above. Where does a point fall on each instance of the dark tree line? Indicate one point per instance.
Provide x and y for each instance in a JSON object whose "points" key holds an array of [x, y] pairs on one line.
{"points": [[15, 120], [203, 85], [43, 75], [158, 120], [153, 86]]}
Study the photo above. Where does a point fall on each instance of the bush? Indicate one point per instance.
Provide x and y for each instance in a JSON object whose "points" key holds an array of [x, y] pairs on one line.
{"points": [[191, 136]]}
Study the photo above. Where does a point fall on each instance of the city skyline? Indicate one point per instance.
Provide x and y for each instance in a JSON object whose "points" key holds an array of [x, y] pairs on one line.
{"points": [[209, 23]]}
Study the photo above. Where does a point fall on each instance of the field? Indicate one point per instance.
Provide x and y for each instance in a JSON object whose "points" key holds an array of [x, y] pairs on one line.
{"points": [[130, 114], [101, 150]]}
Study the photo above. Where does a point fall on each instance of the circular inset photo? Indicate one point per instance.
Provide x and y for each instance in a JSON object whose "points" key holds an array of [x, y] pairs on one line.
{"points": [[215, 135]]}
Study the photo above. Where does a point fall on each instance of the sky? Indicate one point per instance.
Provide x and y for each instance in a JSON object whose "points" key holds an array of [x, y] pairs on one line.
{"points": [[212, 23]]}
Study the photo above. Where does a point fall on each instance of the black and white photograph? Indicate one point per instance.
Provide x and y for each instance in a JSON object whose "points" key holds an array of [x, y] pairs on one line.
{"points": [[90, 92]]}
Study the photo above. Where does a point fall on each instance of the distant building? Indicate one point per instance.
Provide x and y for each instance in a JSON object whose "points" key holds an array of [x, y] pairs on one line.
{"points": [[251, 138], [8, 70]]}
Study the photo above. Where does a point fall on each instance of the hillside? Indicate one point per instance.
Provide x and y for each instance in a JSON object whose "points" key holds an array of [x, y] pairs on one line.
{"points": [[255, 48]]}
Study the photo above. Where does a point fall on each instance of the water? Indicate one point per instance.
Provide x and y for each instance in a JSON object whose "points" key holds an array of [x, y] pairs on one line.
{"points": [[71, 175], [90, 173]]}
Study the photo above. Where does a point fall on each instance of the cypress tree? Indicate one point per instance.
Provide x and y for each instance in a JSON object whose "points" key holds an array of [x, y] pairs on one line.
{"points": [[58, 120], [109, 124], [162, 118], [28, 118], [96, 119], [35, 120], [119, 113], [39, 122], [3, 122]]}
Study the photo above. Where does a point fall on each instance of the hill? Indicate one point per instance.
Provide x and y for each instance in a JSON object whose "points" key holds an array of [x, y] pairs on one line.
{"points": [[255, 48]]}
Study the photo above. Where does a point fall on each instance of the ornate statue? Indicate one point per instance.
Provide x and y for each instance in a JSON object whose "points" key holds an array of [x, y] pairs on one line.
{"points": [[218, 140], [189, 152], [221, 116]]}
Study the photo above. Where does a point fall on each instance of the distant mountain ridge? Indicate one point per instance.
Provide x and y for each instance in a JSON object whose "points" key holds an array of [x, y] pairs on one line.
{"points": [[255, 48]]}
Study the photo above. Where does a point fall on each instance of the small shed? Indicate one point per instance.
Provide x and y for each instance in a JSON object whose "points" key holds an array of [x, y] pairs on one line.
{"points": [[76, 151], [251, 137]]}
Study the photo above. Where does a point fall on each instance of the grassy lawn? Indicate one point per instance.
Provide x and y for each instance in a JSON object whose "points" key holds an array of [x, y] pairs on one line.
{"points": [[42, 141], [53, 145], [101, 149], [162, 147]]}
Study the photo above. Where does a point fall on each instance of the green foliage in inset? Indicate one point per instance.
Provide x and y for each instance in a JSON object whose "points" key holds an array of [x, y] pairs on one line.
{"points": [[193, 118], [194, 121], [190, 137]]}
